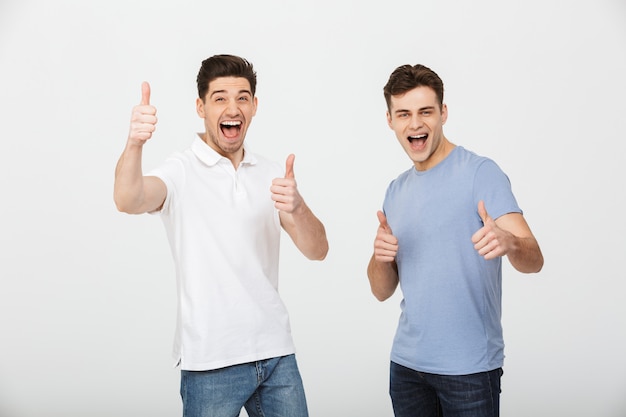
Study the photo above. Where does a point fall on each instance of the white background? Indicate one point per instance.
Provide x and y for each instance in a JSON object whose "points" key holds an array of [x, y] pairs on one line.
{"points": [[87, 294]]}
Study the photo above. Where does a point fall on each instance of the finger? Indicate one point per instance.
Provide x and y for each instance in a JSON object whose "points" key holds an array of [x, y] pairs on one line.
{"points": [[482, 211], [289, 166], [145, 93], [383, 221], [476, 237]]}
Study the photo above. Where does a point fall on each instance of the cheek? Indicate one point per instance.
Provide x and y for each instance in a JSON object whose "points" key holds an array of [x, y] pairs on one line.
{"points": [[211, 118], [250, 112], [395, 125]]}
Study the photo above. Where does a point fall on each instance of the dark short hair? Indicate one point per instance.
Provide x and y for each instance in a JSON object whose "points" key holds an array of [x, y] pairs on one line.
{"points": [[224, 66], [407, 77]]}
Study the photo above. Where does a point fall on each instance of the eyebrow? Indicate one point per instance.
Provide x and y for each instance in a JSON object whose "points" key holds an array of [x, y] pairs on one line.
{"points": [[224, 91], [420, 109]]}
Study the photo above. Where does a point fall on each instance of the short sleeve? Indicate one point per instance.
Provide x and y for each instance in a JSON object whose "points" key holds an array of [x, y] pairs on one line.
{"points": [[493, 186], [172, 173]]}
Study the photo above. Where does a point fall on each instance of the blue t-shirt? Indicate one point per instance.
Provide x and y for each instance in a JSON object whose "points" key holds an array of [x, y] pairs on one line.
{"points": [[451, 309]]}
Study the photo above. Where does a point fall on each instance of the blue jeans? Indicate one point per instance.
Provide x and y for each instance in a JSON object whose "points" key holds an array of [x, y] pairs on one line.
{"points": [[421, 394], [267, 388]]}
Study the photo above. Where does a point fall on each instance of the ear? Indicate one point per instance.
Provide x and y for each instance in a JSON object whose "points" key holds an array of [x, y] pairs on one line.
{"points": [[200, 107], [389, 119], [444, 114], [256, 103]]}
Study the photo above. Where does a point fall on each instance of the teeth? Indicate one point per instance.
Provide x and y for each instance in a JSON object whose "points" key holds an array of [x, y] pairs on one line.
{"points": [[417, 137], [231, 123]]}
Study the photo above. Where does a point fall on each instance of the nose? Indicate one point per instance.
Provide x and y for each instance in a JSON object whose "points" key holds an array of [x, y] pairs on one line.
{"points": [[233, 108], [416, 122]]}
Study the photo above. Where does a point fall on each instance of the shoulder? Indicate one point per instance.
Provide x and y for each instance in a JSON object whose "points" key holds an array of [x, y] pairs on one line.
{"points": [[475, 162], [471, 157], [174, 163], [403, 177], [262, 163]]}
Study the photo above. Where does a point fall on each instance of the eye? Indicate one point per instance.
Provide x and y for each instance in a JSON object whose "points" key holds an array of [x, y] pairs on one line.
{"points": [[243, 98]]}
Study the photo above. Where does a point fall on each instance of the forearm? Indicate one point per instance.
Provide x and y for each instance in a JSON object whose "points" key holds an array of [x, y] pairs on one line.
{"points": [[128, 189], [525, 255], [310, 234], [383, 278]]}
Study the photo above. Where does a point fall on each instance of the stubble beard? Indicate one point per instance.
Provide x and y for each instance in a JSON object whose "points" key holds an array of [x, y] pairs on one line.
{"points": [[225, 150]]}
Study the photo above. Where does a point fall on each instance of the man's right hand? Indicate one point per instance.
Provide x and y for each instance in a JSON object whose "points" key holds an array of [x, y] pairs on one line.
{"points": [[143, 120], [382, 270], [386, 244]]}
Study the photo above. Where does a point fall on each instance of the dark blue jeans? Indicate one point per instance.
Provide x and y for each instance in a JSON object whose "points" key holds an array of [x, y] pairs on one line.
{"points": [[419, 394]]}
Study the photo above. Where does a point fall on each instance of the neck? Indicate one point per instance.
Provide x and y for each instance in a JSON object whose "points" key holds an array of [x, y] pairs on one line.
{"points": [[442, 151]]}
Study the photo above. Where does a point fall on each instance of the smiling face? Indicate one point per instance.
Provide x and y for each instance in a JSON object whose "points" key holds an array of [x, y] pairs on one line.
{"points": [[417, 120], [227, 110]]}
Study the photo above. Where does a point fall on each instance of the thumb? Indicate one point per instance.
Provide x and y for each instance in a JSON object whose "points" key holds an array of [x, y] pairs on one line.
{"points": [[383, 221], [145, 93], [289, 166], [482, 211]]}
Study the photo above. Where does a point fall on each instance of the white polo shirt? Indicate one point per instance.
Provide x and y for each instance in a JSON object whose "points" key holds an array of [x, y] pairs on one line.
{"points": [[224, 233]]}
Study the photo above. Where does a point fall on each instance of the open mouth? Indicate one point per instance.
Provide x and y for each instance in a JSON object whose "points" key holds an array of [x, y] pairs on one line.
{"points": [[418, 140], [231, 129]]}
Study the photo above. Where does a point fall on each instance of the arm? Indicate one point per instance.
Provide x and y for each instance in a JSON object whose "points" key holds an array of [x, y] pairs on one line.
{"points": [[133, 193], [382, 270], [509, 235], [304, 228]]}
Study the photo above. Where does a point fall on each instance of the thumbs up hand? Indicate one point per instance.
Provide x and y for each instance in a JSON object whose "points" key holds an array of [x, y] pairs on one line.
{"points": [[385, 244], [143, 119], [490, 240], [285, 190]]}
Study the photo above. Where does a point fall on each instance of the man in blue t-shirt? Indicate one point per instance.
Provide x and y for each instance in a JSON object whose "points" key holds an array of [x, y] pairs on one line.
{"points": [[446, 223]]}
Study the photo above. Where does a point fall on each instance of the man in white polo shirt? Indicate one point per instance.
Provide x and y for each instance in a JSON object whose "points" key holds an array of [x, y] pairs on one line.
{"points": [[223, 208]]}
